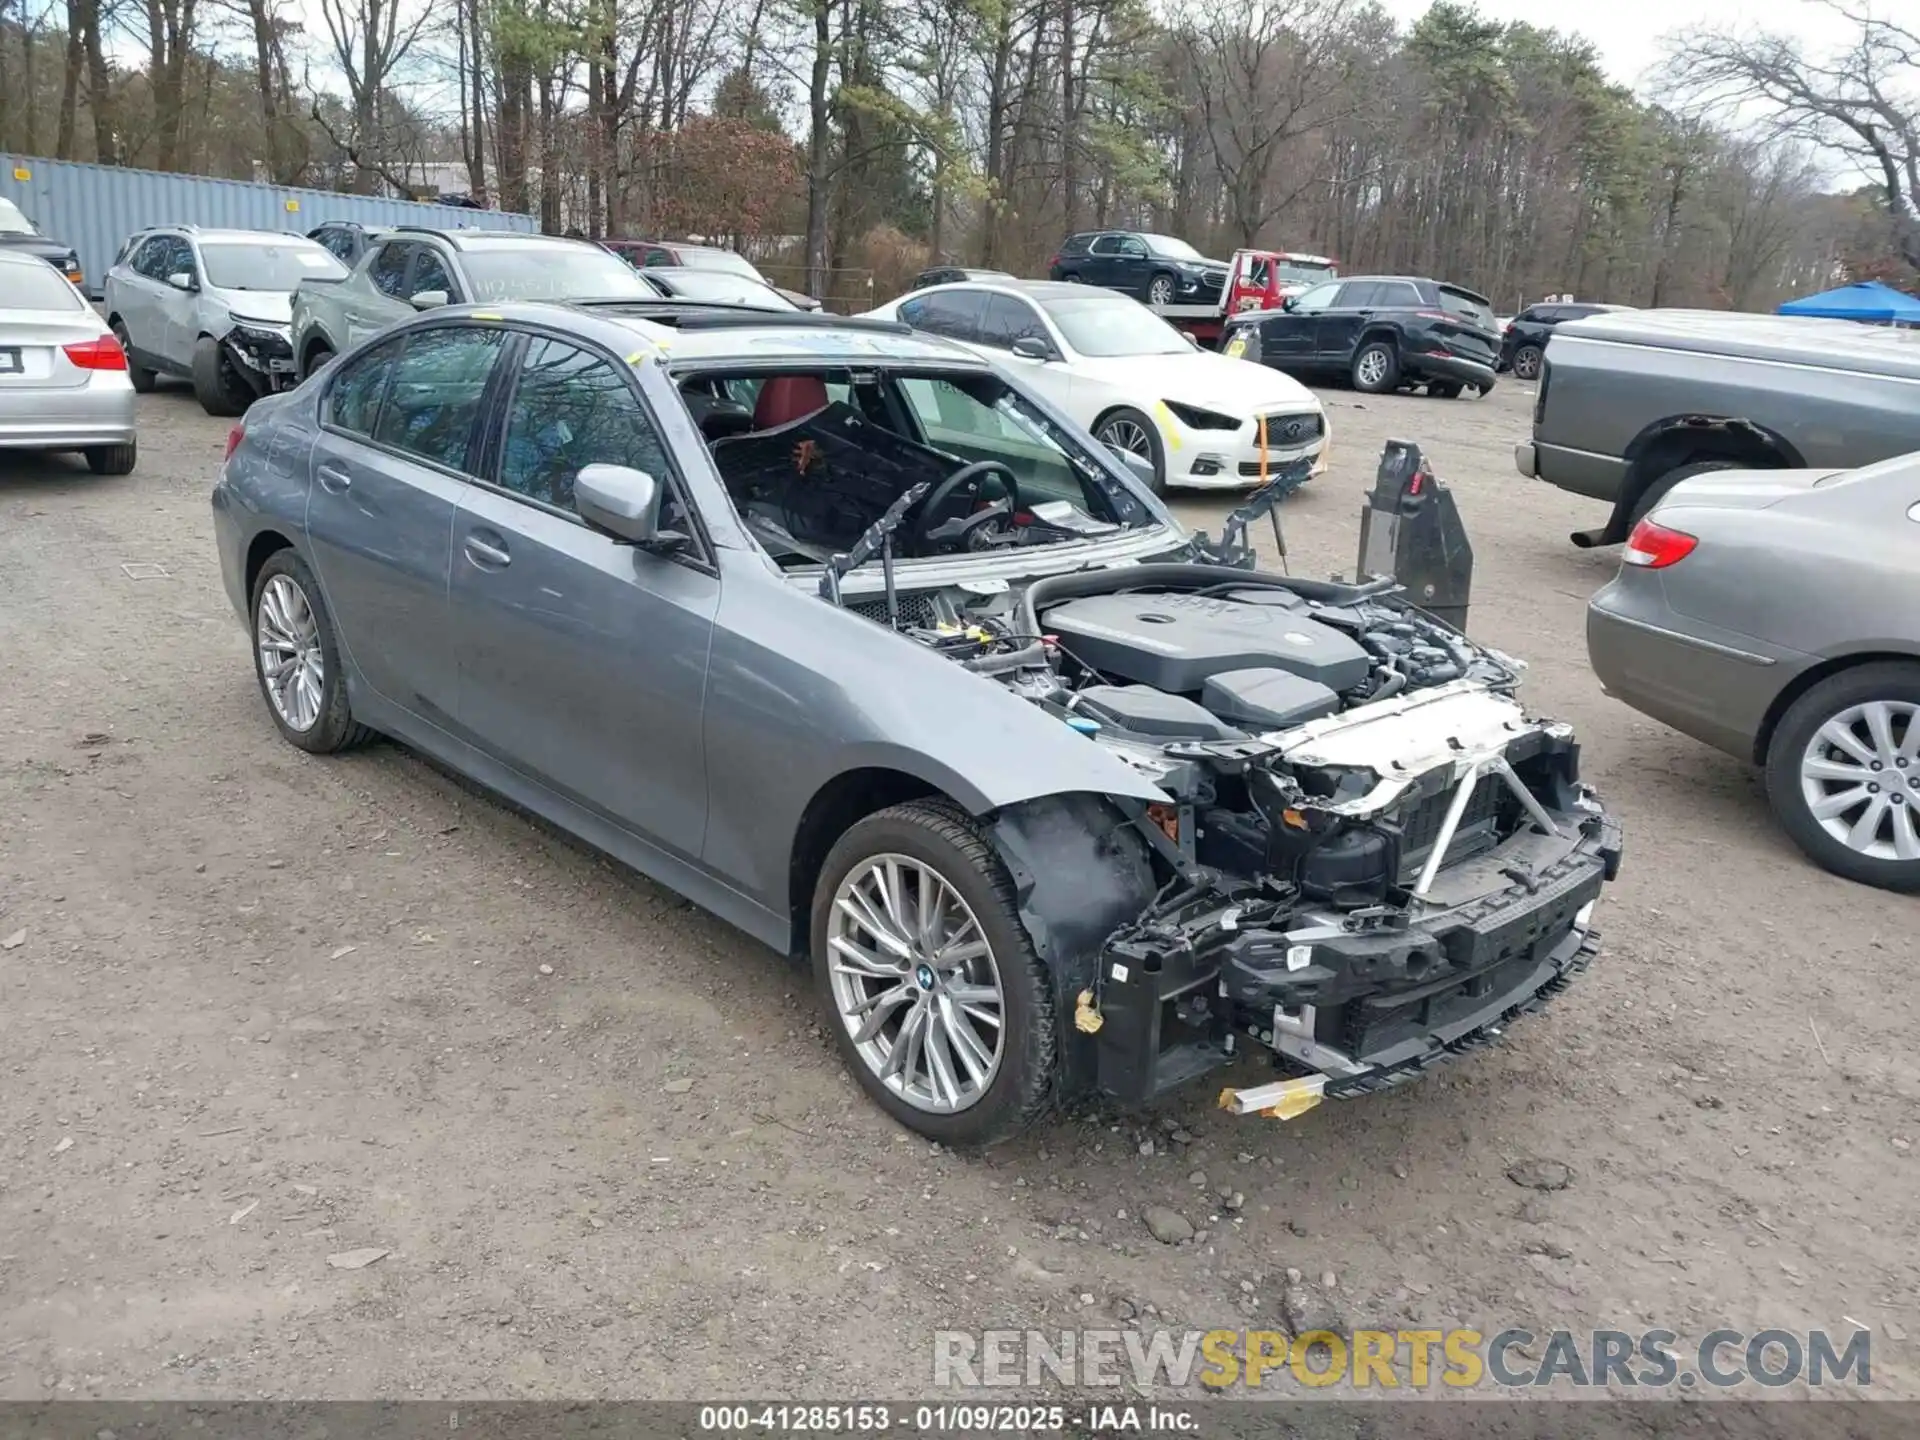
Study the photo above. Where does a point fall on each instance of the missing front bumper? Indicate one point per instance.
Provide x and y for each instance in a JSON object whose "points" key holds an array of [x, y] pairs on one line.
{"points": [[1366, 1004]]}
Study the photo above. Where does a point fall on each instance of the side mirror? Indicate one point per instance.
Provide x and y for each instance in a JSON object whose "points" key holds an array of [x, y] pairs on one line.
{"points": [[1286, 302], [626, 504], [1139, 465], [430, 299], [1032, 347], [181, 280]]}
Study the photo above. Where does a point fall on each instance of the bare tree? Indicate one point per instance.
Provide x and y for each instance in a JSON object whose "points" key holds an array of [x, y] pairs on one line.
{"points": [[1860, 102], [370, 40]]}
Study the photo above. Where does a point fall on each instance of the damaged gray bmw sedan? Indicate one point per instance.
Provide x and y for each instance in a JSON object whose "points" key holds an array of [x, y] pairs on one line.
{"points": [[844, 635]]}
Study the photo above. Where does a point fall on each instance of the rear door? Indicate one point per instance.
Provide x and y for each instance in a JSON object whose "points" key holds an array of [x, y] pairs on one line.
{"points": [[384, 300], [583, 660], [399, 442], [136, 297]]}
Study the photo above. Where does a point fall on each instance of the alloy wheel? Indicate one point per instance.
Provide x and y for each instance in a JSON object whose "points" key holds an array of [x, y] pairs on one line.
{"points": [[1526, 364], [916, 984], [1373, 367], [1860, 779], [293, 666], [1160, 292], [1129, 436]]}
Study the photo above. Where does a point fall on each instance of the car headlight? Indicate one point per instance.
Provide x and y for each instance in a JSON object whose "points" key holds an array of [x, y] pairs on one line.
{"points": [[1195, 418]]}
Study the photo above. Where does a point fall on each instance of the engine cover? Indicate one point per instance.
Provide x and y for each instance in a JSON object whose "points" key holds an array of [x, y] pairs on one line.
{"points": [[1174, 642]]}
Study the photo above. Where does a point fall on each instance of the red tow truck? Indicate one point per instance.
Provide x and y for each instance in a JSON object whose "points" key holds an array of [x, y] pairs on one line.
{"points": [[1256, 280]]}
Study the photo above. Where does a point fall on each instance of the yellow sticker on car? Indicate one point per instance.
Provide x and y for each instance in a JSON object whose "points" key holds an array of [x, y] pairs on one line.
{"points": [[1165, 417], [1236, 347]]}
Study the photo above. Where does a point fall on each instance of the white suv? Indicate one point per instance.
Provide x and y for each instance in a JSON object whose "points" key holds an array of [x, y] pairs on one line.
{"points": [[212, 306]]}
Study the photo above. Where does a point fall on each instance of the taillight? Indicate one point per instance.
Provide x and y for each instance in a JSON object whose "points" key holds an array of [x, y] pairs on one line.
{"points": [[1655, 546], [234, 437], [102, 354]]}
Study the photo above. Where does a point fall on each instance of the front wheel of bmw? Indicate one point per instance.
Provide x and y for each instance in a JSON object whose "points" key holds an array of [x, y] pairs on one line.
{"points": [[937, 1001]]}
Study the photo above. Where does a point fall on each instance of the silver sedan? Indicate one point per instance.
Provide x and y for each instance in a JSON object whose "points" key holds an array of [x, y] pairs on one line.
{"points": [[1775, 615], [63, 377]]}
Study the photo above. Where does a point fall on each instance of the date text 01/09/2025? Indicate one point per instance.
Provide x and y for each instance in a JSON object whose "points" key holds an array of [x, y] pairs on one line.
{"points": [[873, 1419]]}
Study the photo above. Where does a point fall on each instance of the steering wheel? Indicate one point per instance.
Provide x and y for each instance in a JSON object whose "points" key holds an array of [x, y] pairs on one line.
{"points": [[938, 497]]}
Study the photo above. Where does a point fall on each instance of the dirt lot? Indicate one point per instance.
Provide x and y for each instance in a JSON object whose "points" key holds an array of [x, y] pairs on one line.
{"points": [[264, 1009]]}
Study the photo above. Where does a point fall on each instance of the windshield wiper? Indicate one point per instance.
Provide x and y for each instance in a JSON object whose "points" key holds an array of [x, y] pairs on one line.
{"points": [[877, 536]]}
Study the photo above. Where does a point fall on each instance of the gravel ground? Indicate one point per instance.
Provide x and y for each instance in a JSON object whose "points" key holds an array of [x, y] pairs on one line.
{"points": [[260, 1011]]}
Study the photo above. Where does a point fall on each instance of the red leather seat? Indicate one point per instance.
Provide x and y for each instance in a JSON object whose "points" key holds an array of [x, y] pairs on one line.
{"points": [[787, 398]]}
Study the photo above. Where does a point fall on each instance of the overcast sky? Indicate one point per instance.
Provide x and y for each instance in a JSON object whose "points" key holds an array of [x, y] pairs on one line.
{"points": [[1628, 33]]}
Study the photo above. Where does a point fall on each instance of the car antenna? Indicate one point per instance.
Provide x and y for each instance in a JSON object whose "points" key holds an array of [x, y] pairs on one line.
{"points": [[877, 536]]}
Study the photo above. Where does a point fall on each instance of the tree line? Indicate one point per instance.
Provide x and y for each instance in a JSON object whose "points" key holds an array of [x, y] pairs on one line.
{"points": [[868, 136]]}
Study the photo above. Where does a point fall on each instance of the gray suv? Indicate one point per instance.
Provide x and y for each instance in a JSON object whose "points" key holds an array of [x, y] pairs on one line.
{"points": [[211, 306], [410, 268], [1632, 403]]}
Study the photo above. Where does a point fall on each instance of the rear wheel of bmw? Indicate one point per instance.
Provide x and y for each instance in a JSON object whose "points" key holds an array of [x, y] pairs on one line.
{"points": [[937, 1001], [296, 658]]}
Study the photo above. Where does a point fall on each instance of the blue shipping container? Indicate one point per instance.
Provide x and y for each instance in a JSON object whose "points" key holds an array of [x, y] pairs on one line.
{"points": [[95, 207]]}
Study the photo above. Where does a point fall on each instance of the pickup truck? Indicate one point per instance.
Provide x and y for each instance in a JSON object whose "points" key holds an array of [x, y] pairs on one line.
{"points": [[1633, 402]]}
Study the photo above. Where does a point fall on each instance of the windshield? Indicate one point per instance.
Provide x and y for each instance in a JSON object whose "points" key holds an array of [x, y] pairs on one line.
{"points": [[813, 458], [38, 287], [1107, 326], [1301, 272], [1468, 307], [724, 261], [1171, 248], [12, 222], [721, 287], [267, 266], [546, 270]]}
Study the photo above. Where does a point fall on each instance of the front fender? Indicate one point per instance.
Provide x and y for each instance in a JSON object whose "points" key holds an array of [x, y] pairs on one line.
{"points": [[801, 693]]}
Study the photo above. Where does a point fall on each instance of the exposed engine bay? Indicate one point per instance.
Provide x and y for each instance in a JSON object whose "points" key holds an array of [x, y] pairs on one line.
{"points": [[1371, 857]]}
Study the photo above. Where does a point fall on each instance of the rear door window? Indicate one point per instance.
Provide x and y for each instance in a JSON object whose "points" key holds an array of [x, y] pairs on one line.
{"points": [[952, 313], [433, 398], [1395, 295], [389, 269]]}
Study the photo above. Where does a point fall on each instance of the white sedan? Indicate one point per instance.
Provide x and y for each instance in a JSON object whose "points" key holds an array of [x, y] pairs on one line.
{"points": [[1134, 381]]}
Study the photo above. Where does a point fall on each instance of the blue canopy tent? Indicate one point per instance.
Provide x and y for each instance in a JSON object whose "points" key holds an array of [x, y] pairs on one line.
{"points": [[1870, 301]]}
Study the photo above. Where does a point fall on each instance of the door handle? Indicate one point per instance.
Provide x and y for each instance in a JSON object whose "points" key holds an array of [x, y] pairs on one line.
{"points": [[487, 551], [334, 480]]}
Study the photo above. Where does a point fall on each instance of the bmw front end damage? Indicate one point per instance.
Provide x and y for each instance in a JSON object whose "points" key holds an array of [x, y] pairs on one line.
{"points": [[1370, 857]]}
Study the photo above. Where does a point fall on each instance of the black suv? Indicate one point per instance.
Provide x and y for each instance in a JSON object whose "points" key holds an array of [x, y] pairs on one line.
{"points": [[1525, 345], [1155, 268], [1384, 332]]}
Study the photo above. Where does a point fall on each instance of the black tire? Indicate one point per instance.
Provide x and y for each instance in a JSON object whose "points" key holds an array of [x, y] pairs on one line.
{"points": [[1656, 492], [1370, 379], [1526, 362], [1155, 450], [1073, 277], [1486, 389], [220, 391], [112, 459], [334, 728], [141, 377], [1444, 389], [940, 835], [1160, 289], [1897, 681], [316, 359]]}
